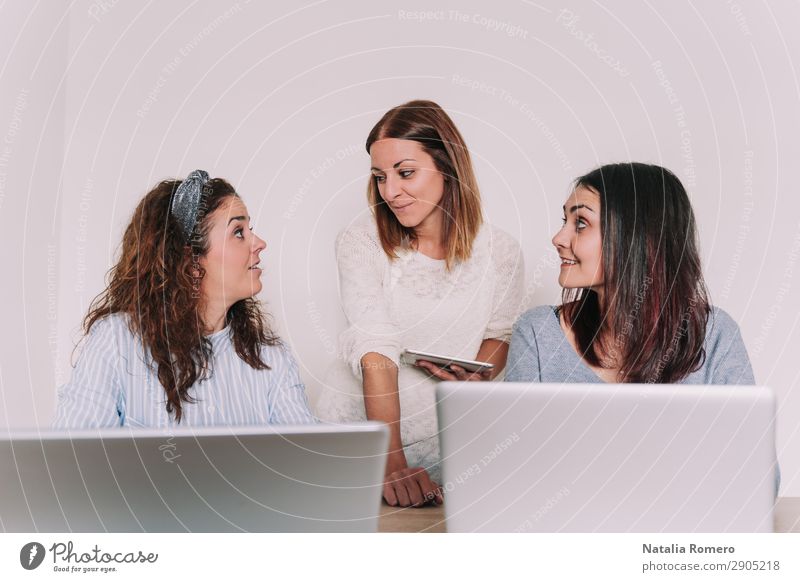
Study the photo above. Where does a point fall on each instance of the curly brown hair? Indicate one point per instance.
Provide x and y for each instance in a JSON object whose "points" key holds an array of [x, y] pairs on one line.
{"points": [[156, 282]]}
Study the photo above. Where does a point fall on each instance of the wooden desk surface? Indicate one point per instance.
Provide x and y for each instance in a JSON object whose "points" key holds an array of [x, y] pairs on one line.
{"points": [[430, 519]]}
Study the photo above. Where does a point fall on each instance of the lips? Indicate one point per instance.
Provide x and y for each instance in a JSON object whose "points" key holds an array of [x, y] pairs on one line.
{"points": [[568, 262], [254, 266], [403, 207]]}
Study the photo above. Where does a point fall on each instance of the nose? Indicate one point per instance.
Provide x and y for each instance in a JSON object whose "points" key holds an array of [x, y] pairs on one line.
{"points": [[561, 239], [258, 244], [391, 188]]}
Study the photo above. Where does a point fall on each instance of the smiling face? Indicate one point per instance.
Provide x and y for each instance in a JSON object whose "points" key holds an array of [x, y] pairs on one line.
{"points": [[231, 271], [409, 182], [579, 242]]}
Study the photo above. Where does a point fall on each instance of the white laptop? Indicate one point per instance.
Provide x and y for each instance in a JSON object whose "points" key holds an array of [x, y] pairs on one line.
{"points": [[223, 479], [527, 457]]}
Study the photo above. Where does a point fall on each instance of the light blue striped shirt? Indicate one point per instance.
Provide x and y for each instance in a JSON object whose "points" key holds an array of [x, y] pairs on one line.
{"points": [[112, 385]]}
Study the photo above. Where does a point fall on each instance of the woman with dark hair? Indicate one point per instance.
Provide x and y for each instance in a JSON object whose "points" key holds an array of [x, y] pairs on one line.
{"points": [[178, 337], [425, 273], [635, 306]]}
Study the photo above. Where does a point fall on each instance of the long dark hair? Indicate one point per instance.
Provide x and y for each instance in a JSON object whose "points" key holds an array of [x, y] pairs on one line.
{"points": [[656, 304], [428, 124], [156, 283]]}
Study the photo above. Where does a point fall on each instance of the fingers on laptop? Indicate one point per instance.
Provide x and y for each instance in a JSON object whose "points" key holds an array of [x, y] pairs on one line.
{"points": [[411, 486]]}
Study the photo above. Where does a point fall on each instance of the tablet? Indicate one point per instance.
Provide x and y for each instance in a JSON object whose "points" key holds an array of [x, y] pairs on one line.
{"points": [[411, 357]]}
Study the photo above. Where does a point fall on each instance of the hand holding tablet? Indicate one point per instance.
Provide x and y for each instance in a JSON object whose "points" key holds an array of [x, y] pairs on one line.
{"points": [[449, 368]]}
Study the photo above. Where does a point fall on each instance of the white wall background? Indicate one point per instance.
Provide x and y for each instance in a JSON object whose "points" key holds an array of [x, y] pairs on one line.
{"points": [[101, 99]]}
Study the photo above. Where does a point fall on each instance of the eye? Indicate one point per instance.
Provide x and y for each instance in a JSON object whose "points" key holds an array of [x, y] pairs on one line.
{"points": [[379, 179], [239, 232], [406, 173], [580, 224]]}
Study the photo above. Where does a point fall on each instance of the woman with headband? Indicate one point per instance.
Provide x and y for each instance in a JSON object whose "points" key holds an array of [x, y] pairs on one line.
{"points": [[425, 273], [178, 337]]}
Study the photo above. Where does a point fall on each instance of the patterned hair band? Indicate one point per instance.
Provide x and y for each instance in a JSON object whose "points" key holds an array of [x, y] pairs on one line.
{"points": [[186, 202]]}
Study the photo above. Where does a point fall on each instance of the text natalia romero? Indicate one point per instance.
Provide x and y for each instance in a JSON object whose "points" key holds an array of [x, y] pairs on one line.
{"points": [[693, 549]]}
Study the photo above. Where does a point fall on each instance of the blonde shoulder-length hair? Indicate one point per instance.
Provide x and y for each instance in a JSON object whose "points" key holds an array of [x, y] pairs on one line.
{"points": [[427, 123]]}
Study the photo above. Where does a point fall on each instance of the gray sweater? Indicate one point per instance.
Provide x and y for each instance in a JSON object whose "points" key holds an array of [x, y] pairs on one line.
{"points": [[540, 352]]}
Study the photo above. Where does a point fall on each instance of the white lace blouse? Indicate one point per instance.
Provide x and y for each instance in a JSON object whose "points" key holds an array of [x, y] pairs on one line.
{"points": [[414, 302]]}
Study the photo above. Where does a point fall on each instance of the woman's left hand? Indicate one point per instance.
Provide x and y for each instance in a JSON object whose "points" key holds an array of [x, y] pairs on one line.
{"points": [[457, 373]]}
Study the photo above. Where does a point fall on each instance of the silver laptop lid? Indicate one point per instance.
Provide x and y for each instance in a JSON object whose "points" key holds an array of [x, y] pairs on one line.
{"points": [[281, 479], [612, 457]]}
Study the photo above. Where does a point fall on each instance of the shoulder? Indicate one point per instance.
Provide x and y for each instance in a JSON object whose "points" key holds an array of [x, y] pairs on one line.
{"points": [[721, 331], [537, 319], [108, 339], [723, 338], [359, 245], [720, 324], [278, 356], [495, 246], [727, 360], [363, 232], [114, 325], [498, 241]]}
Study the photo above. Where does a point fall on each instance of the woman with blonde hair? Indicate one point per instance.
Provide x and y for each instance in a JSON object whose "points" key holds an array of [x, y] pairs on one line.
{"points": [[426, 273]]}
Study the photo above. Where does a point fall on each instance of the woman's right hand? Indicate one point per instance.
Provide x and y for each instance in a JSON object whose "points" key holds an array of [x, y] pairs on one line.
{"points": [[411, 486], [402, 485], [457, 373]]}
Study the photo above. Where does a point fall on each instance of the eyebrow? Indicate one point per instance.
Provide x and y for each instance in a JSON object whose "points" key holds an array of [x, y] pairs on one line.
{"points": [[238, 218], [397, 164], [576, 207]]}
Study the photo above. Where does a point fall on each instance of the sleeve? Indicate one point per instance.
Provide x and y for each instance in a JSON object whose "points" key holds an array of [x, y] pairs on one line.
{"points": [[730, 362], [361, 262], [523, 354], [509, 293], [91, 398], [287, 400]]}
